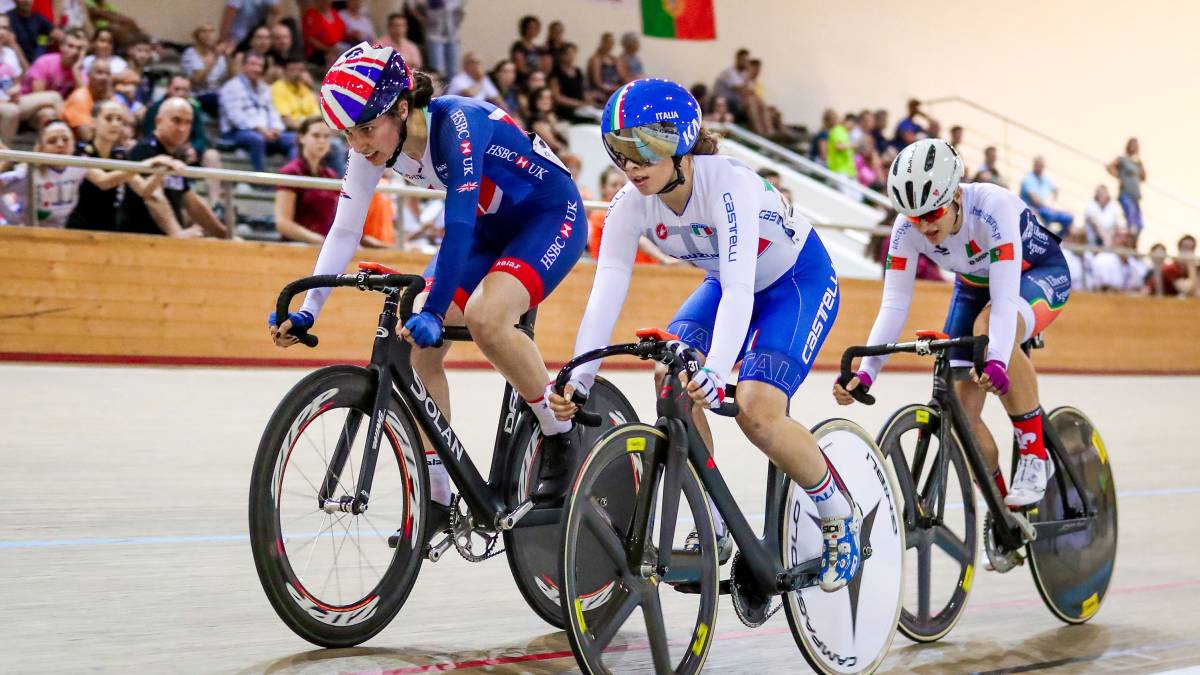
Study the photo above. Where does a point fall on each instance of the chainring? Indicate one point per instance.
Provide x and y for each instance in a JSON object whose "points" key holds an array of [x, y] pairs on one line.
{"points": [[751, 608], [467, 538]]}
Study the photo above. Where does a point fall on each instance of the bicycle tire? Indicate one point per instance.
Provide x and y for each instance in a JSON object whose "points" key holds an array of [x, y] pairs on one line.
{"points": [[590, 626], [929, 626], [1072, 571], [301, 607], [533, 553], [850, 630]]}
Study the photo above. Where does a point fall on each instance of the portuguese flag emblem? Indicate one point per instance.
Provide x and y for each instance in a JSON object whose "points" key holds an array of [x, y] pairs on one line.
{"points": [[1002, 252], [896, 263], [679, 19]]}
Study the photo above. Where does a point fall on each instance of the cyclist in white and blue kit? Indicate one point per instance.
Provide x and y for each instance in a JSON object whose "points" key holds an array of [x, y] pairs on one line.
{"points": [[768, 301]]}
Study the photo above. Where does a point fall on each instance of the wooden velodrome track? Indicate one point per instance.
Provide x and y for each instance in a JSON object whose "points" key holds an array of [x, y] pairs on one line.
{"points": [[123, 541]]}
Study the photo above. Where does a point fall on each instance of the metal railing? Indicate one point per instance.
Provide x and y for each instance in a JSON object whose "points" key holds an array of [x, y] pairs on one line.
{"points": [[227, 176]]}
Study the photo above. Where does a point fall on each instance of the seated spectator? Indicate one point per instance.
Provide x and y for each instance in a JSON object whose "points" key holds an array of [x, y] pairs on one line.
{"points": [[612, 180], [31, 30], [473, 82], [359, 27], [1078, 264], [12, 64], [770, 120], [101, 193], [206, 63], [1101, 217], [77, 111], [241, 17], [731, 82], [171, 207], [556, 38], [840, 156], [283, 44], [1118, 272], [56, 188], [879, 132], [1189, 286], [871, 171], [248, 116], [1165, 273], [771, 176], [1039, 192], [125, 90], [989, 171], [818, 148], [544, 122], [537, 80], [303, 214], [197, 152], [525, 53], [604, 71], [105, 16], [379, 227], [259, 43], [720, 113], [912, 121], [567, 85], [323, 32], [860, 126], [397, 38], [907, 133], [504, 76], [294, 99], [102, 48], [139, 57], [61, 71], [631, 44]]}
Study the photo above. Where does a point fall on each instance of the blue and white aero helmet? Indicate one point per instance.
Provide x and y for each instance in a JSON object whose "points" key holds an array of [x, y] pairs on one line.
{"points": [[923, 177], [362, 84], [649, 120]]}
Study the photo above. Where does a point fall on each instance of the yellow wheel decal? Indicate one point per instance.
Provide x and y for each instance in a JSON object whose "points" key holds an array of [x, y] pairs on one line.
{"points": [[698, 643], [635, 444], [968, 577], [923, 416], [1090, 606], [1099, 445]]}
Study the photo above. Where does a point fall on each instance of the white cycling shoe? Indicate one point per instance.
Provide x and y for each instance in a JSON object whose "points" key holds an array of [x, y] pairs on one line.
{"points": [[1029, 481]]}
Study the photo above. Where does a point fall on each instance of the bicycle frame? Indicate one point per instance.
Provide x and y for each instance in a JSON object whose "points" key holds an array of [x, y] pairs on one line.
{"points": [[391, 365]]}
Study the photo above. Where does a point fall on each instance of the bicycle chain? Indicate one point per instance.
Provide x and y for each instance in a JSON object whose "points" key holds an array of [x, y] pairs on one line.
{"points": [[735, 594], [462, 528]]}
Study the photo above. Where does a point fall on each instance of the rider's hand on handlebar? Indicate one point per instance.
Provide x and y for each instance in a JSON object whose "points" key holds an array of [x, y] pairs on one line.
{"points": [[562, 406], [842, 394], [423, 329], [707, 388], [281, 334], [994, 379]]}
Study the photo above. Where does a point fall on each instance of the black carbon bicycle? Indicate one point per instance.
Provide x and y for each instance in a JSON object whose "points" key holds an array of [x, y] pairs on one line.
{"points": [[1069, 538], [323, 505], [637, 549]]}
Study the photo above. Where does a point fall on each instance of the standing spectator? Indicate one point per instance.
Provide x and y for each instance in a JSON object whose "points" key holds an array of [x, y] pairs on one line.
{"points": [[912, 121], [241, 17], [56, 188], [100, 195], [612, 180], [172, 208], [77, 111], [443, 19], [198, 152], [604, 71], [205, 62], [323, 29], [294, 100], [1039, 192], [526, 53], [102, 48], [397, 38], [473, 82], [879, 132], [567, 84], [283, 44], [504, 76], [988, 171], [305, 214], [59, 73], [105, 16], [1101, 217], [1130, 172], [819, 144], [630, 61], [840, 156], [248, 117], [32, 30], [359, 27]]}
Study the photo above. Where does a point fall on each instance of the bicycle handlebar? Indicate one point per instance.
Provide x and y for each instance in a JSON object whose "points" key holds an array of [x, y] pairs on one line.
{"points": [[412, 284], [923, 347], [647, 349]]}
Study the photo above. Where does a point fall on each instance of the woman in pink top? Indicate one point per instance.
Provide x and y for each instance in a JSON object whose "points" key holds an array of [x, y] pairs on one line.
{"points": [[303, 214]]}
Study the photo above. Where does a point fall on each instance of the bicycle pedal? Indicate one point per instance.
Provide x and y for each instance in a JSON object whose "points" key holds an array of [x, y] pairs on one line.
{"points": [[866, 552]]}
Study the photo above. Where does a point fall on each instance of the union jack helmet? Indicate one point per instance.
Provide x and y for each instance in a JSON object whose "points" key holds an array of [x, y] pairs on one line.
{"points": [[362, 84]]}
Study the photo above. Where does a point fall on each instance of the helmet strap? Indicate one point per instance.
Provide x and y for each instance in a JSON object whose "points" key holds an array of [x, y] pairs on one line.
{"points": [[677, 180], [400, 145]]}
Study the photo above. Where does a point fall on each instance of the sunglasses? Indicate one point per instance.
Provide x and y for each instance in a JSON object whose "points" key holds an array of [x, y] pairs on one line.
{"points": [[642, 146], [930, 217]]}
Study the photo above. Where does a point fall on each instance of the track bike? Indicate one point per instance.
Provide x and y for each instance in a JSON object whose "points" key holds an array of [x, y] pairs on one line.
{"points": [[339, 494], [1069, 538], [646, 564]]}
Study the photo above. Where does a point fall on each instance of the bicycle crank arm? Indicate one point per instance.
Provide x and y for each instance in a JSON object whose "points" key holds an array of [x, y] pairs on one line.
{"points": [[801, 576], [1055, 528], [436, 550], [510, 520]]}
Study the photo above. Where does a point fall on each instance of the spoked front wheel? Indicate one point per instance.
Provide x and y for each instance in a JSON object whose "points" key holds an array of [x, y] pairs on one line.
{"points": [[1072, 570], [330, 574], [673, 630], [850, 630], [938, 497]]}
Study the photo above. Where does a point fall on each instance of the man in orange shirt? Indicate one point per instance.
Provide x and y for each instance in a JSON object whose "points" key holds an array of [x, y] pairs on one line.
{"points": [[78, 109]]}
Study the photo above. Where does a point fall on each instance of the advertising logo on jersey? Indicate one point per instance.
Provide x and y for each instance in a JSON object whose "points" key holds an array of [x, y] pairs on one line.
{"points": [[518, 160], [731, 216], [564, 233], [459, 119], [465, 147], [825, 313], [660, 231], [989, 219]]}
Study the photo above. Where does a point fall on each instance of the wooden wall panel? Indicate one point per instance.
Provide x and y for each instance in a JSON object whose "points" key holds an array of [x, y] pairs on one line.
{"points": [[99, 296]]}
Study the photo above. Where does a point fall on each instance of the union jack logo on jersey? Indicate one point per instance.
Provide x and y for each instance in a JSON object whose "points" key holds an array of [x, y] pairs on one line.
{"points": [[467, 187]]}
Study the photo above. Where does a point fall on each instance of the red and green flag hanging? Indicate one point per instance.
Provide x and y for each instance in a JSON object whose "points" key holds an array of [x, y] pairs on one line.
{"points": [[679, 19]]}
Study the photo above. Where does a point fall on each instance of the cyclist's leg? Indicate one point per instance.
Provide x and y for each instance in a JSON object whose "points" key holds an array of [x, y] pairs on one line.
{"points": [[693, 323], [966, 304]]}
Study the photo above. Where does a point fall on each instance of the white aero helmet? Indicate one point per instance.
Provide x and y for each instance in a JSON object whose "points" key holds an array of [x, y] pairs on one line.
{"points": [[924, 176]]}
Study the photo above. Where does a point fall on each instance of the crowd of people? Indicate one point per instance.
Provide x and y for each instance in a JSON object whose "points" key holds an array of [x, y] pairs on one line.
{"points": [[92, 82]]}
